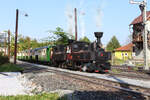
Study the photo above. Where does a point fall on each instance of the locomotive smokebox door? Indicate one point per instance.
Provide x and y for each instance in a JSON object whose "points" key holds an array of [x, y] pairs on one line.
{"points": [[98, 35]]}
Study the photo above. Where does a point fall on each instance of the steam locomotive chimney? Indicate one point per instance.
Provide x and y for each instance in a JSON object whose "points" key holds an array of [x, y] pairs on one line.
{"points": [[98, 35]]}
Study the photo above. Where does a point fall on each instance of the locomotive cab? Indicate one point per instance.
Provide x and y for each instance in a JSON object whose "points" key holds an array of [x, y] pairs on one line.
{"points": [[58, 55]]}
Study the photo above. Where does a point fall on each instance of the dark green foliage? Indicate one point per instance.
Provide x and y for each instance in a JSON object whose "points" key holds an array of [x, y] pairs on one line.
{"points": [[85, 39], [25, 43], [8, 67], [3, 59], [60, 37], [113, 44]]}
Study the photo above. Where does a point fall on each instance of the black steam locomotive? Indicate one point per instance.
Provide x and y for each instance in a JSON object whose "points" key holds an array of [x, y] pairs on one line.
{"points": [[82, 55]]}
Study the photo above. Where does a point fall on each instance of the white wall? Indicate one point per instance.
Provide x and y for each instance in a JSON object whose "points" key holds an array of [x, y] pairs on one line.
{"points": [[148, 25]]}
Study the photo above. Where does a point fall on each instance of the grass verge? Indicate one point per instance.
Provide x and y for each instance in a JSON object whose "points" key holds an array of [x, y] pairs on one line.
{"points": [[9, 67], [116, 71], [44, 96]]}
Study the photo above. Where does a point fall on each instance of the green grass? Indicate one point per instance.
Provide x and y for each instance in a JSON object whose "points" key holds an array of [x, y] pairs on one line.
{"points": [[116, 71], [9, 67], [117, 62], [44, 96]]}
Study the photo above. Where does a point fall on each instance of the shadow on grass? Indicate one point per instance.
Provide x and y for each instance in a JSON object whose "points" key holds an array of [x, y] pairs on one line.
{"points": [[102, 95]]}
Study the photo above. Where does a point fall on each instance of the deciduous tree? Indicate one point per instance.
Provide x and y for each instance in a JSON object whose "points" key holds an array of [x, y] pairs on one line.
{"points": [[113, 44], [85, 39]]}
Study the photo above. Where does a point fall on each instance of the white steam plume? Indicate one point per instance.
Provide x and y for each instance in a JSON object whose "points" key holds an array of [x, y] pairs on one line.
{"points": [[81, 19], [70, 20], [98, 18], [82, 24]]}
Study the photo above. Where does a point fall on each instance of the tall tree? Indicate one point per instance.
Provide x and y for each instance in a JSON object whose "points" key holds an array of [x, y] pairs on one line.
{"points": [[85, 39], [60, 37], [113, 44]]}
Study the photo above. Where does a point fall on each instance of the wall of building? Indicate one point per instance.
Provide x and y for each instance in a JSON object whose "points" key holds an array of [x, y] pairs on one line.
{"points": [[148, 25], [138, 54], [123, 55]]}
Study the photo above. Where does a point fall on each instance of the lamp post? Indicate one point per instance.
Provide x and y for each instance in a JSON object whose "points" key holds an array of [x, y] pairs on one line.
{"points": [[142, 6], [16, 34]]}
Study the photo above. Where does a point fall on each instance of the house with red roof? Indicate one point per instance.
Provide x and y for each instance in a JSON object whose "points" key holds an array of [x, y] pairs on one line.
{"points": [[124, 52], [137, 36]]}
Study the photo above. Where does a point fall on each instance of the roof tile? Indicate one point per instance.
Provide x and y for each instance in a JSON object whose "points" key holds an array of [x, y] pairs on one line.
{"points": [[139, 19], [127, 47]]}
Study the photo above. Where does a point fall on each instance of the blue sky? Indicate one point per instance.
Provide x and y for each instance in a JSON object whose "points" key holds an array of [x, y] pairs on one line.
{"points": [[110, 16]]}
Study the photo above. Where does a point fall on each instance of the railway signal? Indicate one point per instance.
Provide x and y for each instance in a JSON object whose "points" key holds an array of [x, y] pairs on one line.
{"points": [[142, 6]]}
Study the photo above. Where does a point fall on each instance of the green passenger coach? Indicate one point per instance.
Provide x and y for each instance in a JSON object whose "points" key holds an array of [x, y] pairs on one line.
{"points": [[40, 55]]}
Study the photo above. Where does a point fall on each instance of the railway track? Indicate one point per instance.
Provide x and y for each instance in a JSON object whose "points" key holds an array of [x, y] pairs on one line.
{"points": [[93, 80], [130, 75], [127, 71], [127, 68]]}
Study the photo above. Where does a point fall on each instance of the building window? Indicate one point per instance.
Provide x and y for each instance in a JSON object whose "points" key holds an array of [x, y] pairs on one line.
{"points": [[126, 54]]}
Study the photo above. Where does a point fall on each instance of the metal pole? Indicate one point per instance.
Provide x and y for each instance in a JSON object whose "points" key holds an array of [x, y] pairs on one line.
{"points": [[9, 44], [76, 31], [16, 35], [145, 37]]}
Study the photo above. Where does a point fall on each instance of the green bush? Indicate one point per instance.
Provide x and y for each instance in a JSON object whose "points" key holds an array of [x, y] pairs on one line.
{"points": [[3, 59]]}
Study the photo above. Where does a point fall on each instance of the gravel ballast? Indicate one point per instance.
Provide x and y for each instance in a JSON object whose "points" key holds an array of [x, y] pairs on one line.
{"points": [[52, 82]]}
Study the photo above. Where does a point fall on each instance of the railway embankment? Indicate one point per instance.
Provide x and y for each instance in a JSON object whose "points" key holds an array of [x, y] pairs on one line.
{"points": [[85, 86]]}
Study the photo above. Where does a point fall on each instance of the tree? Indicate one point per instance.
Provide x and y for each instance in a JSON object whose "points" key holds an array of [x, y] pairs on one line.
{"points": [[85, 39], [113, 44], [60, 37]]}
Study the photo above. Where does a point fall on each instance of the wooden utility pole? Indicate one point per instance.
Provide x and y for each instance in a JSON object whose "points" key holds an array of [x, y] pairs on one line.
{"points": [[16, 35], [9, 44], [76, 30], [5, 42]]}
